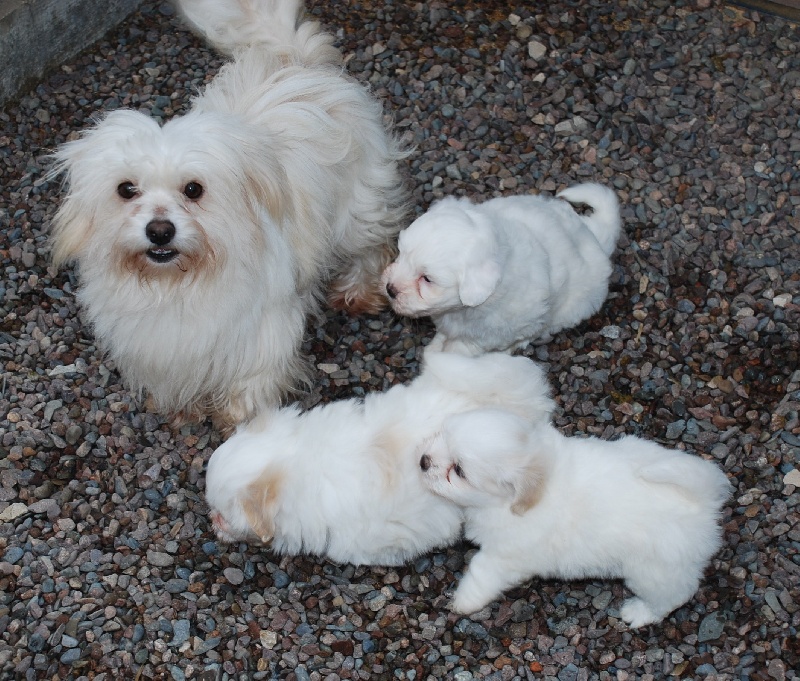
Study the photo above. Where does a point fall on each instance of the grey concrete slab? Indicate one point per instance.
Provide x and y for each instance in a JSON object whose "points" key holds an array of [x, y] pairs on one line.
{"points": [[37, 35]]}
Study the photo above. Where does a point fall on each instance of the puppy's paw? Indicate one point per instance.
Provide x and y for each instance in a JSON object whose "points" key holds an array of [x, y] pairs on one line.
{"points": [[636, 613], [462, 347], [436, 344], [467, 604], [521, 345], [186, 417]]}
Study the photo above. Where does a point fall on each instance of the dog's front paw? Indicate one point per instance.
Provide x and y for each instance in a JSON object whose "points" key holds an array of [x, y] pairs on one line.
{"points": [[636, 613], [356, 301], [462, 347], [436, 344], [466, 604]]}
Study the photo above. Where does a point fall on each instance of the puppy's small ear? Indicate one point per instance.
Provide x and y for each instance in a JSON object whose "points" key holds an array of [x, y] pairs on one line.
{"points": [[258, 504], [479, 282], [529, 488]]}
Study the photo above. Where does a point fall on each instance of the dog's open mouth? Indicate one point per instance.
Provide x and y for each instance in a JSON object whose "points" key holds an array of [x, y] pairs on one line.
{"points": [[162, 255]]}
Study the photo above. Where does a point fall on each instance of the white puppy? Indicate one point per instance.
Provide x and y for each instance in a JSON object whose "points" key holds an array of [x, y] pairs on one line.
{"points": [[541, 504], [203, 245], [343, 480], [497, 275]]}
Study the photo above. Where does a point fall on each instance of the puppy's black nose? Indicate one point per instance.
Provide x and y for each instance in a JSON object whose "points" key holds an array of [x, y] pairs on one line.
{"points": [[160, 232], [391, 291], [425, 462]]}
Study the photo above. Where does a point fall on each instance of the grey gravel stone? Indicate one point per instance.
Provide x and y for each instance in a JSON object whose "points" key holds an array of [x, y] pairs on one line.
{"points": [[70, 656], [536, 50], [13, 554], [711, 627], [234, 575], [180, 635]]}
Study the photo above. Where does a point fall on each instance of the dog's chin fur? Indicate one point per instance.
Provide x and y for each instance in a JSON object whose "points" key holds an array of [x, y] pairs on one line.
{"points": [[343, 480], [541, 504], [300, 190], [497, 275]]}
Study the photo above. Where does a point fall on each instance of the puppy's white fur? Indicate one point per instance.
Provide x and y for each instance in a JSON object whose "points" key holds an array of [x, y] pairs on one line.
{"points": [[541, 504], [343, 479], [297, 183], [497, 275]]}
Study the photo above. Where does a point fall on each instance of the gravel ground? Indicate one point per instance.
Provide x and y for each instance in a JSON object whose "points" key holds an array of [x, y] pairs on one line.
{"points": [[108, 566]]}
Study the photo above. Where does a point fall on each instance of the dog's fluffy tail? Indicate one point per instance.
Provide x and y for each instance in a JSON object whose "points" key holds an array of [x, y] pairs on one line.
{"points": [[701, 481], [277, 25], [605, 220]]}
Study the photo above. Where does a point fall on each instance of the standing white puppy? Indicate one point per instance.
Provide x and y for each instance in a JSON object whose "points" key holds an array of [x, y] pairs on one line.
{"points": [[343, 480], [541, 504], [497, 275], [203, 245]]}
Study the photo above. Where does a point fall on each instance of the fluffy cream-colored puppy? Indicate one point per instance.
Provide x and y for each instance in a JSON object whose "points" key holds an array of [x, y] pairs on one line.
{"points": [[499, 274], [202, 245], [542, 504], [343, 480]]}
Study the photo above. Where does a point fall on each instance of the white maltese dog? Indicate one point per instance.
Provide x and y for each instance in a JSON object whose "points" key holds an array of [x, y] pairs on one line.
{"points": [[497, 275], [343, 480], [541, 504], [203, 245]]}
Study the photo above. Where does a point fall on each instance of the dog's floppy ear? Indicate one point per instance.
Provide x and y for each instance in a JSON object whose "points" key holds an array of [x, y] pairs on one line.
{"points": [[259, 499], [529, 488], [481, 267], [265, 183], [70, 231], [73, 223], [479, 282], [531, 476]]}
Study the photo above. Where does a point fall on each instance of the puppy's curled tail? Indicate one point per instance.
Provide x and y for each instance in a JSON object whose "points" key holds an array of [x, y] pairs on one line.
{"points": [[274, 25], [702, 481], [604, 221]]}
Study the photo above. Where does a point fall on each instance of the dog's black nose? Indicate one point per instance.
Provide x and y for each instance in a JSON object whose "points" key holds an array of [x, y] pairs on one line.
{"points": [[425, 462], [160, 232], [391, 291]]}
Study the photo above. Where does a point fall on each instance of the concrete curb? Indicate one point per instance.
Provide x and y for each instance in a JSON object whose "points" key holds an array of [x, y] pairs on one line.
{"points": [[38, 35]]}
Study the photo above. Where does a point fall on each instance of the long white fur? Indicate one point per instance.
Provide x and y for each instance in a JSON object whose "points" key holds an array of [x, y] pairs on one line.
{"points": [[542, 504], [276, 25], [301, 185], [343, 481], [499, 274]]}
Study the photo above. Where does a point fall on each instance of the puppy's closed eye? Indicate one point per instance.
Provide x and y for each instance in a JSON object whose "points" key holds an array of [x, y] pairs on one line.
{"points": [[457, 469]]}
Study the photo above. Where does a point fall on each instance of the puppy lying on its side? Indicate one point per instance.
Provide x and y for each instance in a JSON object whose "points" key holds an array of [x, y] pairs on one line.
{"points": [[497, 275], [343, 480], [542, 504]]}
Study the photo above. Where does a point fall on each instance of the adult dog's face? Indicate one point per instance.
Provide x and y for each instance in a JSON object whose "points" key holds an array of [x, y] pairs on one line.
{"points": [[168, 204], [447, 261]]}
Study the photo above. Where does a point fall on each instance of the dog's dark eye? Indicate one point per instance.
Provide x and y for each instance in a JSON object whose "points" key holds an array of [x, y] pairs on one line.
{"points": [[426, 278], [126, 190], [458, 470], [193, 190]]}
